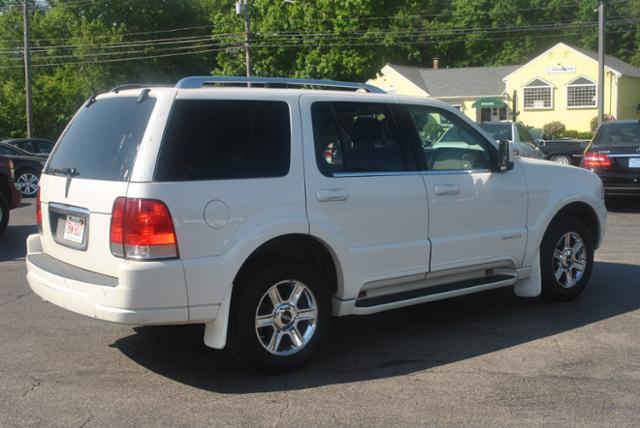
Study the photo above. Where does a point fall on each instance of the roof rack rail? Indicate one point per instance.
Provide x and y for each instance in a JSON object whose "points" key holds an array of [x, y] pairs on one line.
{"points": [[277, 82], [136, 86]]}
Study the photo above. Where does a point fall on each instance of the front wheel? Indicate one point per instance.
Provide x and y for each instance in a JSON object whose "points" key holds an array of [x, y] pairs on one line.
{"points": [[280, 317], [566, 259]]}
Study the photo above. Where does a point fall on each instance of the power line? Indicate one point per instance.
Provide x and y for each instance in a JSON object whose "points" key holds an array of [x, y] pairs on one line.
{"points": [[224, 37], [324, 41], [325, 19], [292, 46]]}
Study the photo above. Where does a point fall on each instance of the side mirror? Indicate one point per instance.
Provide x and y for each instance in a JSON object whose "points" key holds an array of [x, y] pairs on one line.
{"points": [[539, 142], [504, 156]]}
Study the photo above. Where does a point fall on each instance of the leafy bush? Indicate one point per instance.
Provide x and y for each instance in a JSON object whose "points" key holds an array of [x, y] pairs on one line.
{"points": [[585, 135], [570, 133], [554, 129]]}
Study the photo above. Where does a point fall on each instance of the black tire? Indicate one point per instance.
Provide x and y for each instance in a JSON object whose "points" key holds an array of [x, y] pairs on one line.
{"points": [[4, 213], [560, 289], [244, 340]]}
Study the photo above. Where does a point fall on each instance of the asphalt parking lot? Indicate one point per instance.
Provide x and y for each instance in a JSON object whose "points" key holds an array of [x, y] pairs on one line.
{"points": [[487, 359]]}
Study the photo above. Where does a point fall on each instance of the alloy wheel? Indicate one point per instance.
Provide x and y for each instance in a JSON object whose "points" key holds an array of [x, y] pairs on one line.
{"points": [[569, 260], [28, 183], [562, 160], [286, 317]]}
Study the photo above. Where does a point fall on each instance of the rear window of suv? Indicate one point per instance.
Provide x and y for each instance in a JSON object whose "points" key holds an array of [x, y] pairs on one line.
{"points": [[102, 141], [225, 139]]}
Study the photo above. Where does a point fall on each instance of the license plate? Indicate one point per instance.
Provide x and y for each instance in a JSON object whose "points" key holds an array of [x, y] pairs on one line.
{"points": [[634, 162], [74, 229]]}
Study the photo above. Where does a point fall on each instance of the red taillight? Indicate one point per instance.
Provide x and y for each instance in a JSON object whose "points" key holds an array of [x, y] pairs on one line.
{"points": [[38, 212], [596, 160], [142, 229]]}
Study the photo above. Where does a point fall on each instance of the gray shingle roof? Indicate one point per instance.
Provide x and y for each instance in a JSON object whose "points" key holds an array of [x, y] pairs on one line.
{"points": [[456, 82], [618, 65]]}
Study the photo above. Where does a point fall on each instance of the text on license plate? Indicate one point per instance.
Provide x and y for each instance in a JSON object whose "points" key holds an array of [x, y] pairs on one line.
{"points": [[74, 229], [634, 162]]}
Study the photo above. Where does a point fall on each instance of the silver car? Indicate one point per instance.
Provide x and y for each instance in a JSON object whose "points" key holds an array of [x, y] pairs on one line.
{"points": [[517, 134]]}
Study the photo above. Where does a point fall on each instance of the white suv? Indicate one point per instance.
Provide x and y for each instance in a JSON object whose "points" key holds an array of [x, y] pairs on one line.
{"points": [[262, 211]]}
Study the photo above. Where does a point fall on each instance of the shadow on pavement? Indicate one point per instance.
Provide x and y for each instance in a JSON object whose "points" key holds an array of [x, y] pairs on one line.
{"points": [[623, 205], [393, 343], [13, 243]]}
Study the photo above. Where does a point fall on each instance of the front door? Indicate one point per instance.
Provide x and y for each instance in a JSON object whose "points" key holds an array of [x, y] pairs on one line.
{"points": [[365, 197], [493, 114], [477, 216]]}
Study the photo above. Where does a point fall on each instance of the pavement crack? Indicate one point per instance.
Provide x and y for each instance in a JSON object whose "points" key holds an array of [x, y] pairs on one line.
{"points": [[284, 409], [18, 297], [35, 383], [84, 424]]}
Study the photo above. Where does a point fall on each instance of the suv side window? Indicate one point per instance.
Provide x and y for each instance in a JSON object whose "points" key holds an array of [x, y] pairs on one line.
{"points": [[225, 139], [356, 137], [447, 142]]}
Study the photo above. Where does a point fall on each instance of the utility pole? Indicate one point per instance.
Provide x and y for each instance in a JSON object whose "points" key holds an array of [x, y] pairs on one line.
{"points": [[600, 62], [242, 8], [27, 67]]}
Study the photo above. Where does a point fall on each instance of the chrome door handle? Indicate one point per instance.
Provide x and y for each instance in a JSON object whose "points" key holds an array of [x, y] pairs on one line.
{"points": [[446, 189], [329, 195]]}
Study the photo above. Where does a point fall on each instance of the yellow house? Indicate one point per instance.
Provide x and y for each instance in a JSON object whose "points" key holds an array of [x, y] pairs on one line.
{"points": [[558, 85]]}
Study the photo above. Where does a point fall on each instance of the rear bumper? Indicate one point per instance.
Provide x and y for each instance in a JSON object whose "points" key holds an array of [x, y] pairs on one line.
{"points": [[622, 190], [134, 297]]}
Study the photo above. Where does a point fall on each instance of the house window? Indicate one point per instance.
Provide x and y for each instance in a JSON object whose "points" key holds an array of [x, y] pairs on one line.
{"points": [[538, 95], [581, 92]]}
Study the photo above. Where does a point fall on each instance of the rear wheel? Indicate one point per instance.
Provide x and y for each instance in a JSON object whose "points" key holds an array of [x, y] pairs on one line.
{"points": [[28, 182], [561, 159], [566, 259], [4, 213], [280, 317]]}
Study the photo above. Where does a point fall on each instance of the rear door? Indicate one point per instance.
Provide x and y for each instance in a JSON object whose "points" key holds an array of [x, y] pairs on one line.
{"points": [[364, 195], [90, 167]]}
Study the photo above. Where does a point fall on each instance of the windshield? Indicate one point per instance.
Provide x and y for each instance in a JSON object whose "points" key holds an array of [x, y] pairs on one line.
{"points": [[618, 134], [498, 131], [102, 141]]}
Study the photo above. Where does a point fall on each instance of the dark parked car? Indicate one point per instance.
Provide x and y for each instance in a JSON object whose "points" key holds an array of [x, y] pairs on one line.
{"points": [[27, 168], [614, 154], [9, 194], [564, 151], [34, 146]]}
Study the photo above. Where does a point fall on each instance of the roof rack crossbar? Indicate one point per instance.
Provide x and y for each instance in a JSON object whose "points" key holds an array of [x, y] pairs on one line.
{"points": [[200, 81]]}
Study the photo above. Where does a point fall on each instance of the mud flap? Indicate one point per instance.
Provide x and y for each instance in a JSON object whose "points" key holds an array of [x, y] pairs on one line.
{"points": [[531, 286], [215, 332]]}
